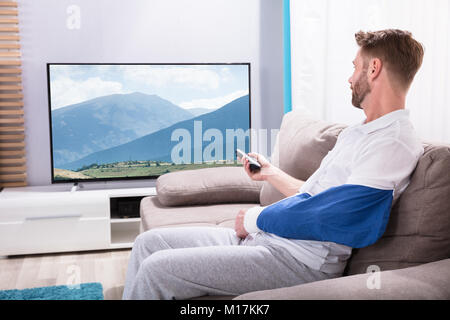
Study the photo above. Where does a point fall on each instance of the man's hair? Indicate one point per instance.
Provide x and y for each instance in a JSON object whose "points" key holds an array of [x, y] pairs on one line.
{"points": [[401, 54]]}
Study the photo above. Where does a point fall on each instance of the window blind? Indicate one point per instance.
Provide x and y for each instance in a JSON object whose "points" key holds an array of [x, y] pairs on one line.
{"points": [[12, 129]]}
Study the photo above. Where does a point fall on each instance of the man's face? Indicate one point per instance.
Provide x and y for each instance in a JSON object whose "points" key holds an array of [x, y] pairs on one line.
{"points": [[358, 81]]}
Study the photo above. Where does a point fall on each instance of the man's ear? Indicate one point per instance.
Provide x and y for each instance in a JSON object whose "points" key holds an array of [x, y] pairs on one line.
{"points": [[374, 69]]}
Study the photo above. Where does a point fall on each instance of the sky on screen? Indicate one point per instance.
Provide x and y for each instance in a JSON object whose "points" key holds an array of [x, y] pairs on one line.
{"points": [[188, 86]]}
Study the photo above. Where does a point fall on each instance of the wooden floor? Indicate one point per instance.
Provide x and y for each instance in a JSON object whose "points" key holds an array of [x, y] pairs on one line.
{"points": [[106, 267]]}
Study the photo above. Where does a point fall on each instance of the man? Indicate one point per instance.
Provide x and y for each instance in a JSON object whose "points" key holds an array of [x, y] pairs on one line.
{"points": [[309, 235]]}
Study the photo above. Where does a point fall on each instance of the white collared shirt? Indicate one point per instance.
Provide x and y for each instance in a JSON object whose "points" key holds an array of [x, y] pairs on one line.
{"points": [[381, 154]]}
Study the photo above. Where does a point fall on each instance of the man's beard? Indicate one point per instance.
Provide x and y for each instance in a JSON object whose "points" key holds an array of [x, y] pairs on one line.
{"points": [[360, 90]]}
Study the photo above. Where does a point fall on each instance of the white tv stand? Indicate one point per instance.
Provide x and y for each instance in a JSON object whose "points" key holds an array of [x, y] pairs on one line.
{"points": [[51, 219]]}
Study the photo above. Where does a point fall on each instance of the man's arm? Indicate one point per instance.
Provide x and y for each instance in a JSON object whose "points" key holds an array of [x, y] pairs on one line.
{"points": [[241, 232], [283, 182], [245, 222], [355, 213]]}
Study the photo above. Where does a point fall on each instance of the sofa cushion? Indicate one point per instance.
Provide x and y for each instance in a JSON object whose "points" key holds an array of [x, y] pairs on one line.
{"points": [[207, 186], [155, 215], [302, 143], [418, 230], [427, 281]]}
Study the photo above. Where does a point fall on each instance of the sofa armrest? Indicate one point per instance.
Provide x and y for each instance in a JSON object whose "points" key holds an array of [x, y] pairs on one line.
{"points": [[426, 281], [207, 186]]}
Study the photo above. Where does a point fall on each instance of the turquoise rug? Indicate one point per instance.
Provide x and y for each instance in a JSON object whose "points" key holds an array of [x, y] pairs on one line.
{"points": [[84, 291]]}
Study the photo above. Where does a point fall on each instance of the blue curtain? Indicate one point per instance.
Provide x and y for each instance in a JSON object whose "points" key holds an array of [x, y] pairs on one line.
{"points": [[287, 56]]}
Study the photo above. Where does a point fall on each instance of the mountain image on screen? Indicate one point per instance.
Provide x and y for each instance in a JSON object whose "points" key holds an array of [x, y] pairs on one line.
{"points": [[119, 135], [105, 122]]}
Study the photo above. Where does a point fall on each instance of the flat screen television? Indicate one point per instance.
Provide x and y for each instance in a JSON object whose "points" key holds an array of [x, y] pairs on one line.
{"points": [[132, 121]]}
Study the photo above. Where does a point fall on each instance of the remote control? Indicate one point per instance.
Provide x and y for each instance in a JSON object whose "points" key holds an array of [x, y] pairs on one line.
{"points": [[254, 165]]}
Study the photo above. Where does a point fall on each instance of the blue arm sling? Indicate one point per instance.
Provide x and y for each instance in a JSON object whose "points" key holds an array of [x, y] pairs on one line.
{"points": [[353, 215]]}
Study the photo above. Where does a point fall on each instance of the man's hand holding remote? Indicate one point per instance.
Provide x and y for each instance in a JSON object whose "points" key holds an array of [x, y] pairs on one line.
{"points": [[259, 175], [283, 182]]}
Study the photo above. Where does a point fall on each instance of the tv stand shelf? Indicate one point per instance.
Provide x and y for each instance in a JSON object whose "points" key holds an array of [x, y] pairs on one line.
{"points": [[51, 219]]}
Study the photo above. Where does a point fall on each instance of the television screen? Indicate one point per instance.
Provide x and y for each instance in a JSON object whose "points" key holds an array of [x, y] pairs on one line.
{"points": [[129, 121]]}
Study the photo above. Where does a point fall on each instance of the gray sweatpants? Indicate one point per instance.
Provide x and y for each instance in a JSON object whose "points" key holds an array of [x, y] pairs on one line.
{"points": [[188, 262]]}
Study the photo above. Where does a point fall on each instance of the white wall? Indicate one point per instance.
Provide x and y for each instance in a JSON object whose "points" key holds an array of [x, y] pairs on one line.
{"points": [[145, 31], [323, 47]]}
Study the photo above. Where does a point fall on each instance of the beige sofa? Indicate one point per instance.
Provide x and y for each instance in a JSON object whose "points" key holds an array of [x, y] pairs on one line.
{"points": [[413, 256]]}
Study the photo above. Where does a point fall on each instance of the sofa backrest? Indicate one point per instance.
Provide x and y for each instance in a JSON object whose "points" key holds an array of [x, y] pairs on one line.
{"points": [[302, 143], [419, 226]]}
